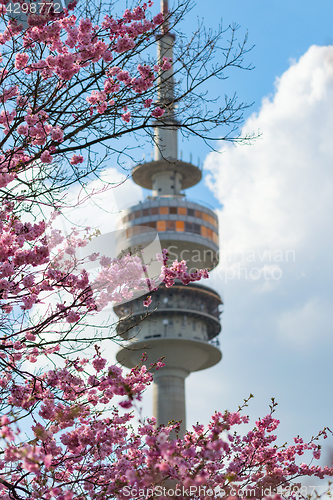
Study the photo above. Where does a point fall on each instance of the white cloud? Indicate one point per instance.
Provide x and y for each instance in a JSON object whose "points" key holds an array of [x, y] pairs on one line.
{"points": [[277, 195], [312, 321]]}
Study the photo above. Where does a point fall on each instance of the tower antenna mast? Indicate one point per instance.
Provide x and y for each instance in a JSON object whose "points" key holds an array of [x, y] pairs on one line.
{"points": [[165, 12]]}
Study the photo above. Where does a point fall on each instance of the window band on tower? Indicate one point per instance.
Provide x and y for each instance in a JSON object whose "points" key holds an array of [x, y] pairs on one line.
{"points": [[177, 226]]}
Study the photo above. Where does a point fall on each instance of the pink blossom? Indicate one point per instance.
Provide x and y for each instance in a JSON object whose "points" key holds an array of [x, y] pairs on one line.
{"points": [[105, 261], [126, 117], [72, 317], [145, 71], [159, 19], [107, 56], [29, 301], [147, 301], [21, 60], [76, 159], [125, 404], [166, 64], [57, 134], [28, 280], [111, 86], [124, 76], [46, 157], [23, 129], [147, 103], [101, 108], [9, 93], [124, 44], [99, 363], [157, 112], [96, 97]]}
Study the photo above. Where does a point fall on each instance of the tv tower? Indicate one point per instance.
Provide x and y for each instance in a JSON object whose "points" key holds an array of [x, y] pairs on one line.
{"points": [[186, 323]]}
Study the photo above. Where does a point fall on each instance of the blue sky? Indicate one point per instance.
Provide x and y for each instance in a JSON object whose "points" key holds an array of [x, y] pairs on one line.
{"points": [[280, 31], [277, 198]]}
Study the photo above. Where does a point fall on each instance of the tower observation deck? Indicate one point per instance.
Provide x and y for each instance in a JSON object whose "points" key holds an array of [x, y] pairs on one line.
{"points": [[185, 324]]}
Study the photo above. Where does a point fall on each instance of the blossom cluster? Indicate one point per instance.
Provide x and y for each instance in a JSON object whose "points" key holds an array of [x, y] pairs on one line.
{"points": [[27, 269], [11, 162], [178, 271], [68, 47], [108, 458], [82, 38]]}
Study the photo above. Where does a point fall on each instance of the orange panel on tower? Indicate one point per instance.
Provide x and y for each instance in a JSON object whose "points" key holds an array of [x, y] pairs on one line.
{"points": [[180, 226], [161, 225]]}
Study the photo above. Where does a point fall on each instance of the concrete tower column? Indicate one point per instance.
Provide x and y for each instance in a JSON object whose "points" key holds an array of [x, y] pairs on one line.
{"points": [[167, 183], [169, 397]]}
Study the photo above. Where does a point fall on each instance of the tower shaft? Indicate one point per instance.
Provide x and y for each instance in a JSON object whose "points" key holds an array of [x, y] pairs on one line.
{"points": [[169, 397]]}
